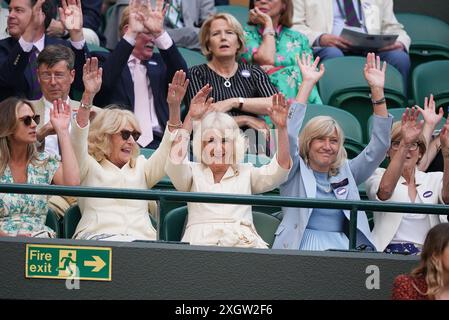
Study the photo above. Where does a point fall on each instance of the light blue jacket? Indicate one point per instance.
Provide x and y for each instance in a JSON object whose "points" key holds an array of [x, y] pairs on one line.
{"points": [[301, 181]]}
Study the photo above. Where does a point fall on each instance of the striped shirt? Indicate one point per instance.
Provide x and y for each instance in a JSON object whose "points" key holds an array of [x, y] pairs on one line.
{"points": [[249, 81]]}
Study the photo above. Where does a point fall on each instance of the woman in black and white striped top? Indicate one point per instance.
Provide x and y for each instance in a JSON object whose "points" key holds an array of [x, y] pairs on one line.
{"points": [[242, 90]]}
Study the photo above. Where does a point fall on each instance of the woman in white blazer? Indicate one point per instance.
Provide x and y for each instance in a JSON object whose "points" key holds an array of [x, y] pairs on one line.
{"points": [[402, 181], [321, 169]]}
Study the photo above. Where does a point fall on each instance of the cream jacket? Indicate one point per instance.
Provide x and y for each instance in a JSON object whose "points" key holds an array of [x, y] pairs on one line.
{"points": [[117, 216], [315, 17], [386, 224]]}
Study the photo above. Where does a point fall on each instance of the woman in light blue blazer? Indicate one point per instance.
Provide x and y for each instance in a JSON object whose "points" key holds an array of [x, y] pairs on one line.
{"points": [[321, 168]]}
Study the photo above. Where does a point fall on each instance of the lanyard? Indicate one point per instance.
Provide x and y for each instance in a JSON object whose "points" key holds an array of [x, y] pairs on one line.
{"points": [[342, 12]]}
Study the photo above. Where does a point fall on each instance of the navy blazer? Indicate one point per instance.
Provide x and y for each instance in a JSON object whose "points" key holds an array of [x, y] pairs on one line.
{"points": [[15, 71], [118, 86]]}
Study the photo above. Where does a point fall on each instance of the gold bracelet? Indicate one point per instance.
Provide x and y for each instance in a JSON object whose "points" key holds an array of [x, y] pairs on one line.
{"points": [[176, 126]]}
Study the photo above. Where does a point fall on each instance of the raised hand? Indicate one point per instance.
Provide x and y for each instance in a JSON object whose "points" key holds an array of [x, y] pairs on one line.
{"points": [[374, 71], [60, 116], [92, 76], [71, 15], [36, 22], [154, 17], [136, 17], [200, 105], [309, 69], [428, 113], [279, 111], [258, 17], [410, 127], [177, 89]]}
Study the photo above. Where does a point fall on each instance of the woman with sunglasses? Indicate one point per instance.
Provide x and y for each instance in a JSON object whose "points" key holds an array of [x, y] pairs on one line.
{"points": [[402, 181], [25, 214], [108, 156]]}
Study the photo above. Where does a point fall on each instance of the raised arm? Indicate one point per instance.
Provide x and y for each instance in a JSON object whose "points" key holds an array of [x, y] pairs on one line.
{"points": [[267, 49], [410, 131], [431, 120], [374, 73], [444, 138], [278, 116], [68, 172], [71, 16]]}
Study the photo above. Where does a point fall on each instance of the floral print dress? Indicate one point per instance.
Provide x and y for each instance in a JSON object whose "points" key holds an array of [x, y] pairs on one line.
{"points": [[26, 213], [285, 75]]}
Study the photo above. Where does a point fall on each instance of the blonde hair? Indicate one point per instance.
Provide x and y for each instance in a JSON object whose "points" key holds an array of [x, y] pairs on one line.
{"points": [[124, 21], [108, 122], [205, 33], [431, 265], [318, 127], [9, 119], [227, 126], [396, 135]]}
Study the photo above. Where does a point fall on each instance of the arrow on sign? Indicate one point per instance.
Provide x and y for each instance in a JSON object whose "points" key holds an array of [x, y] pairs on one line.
{"points": [[98, 263]]}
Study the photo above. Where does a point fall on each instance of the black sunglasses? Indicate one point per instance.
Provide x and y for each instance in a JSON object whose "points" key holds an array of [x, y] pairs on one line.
{"points": [[126, 133], [27, 120]]}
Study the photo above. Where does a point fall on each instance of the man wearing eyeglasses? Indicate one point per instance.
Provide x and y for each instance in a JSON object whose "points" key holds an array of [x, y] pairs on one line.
{"points": [[27, 22], [56, 73]]}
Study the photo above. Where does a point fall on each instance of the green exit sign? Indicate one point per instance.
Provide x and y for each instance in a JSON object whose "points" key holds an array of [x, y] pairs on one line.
{"points": [[63, 262]]}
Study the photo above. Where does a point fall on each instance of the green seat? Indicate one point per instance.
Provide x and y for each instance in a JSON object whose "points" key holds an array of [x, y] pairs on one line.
{"points": [[432, 77], [241, 13], [257, 160], [192, 57], [174, 223], [344, 86], [95, 48], [146, 152], [53, 222], [71, 218]]}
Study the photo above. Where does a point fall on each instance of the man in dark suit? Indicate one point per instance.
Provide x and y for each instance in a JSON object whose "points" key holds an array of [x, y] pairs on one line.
{"points": [[27, 22], [137, 79]]}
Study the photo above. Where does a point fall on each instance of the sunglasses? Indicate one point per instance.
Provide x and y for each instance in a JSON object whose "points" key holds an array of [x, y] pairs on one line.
{"points": [[126, 134], [27, 120]]}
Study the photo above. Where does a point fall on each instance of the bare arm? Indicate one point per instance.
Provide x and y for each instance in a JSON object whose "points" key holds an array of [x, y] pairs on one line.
{"points": [[259, 106], [410, 131], [374, 73], [444, 137], [279, 117], [267, 49], [68, 172]]}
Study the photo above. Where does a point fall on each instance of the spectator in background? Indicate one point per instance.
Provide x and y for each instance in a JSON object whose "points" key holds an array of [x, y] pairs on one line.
{"points": [[219, 147], [25, 214], [323, 21], [27, 22], [271, 44], [182, 21], [91, 20], [108, 156], [221, 2], [242, 90], [135, 77], [402, 181], [430, 280], [321, 170], [56, 74], [3, 18]]}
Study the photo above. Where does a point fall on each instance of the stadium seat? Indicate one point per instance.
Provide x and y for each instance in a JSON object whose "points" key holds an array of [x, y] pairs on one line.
{"points": [[174, 224], [344, 86], [146, 152], [95, 48], [241, 13], [192, 57], [430, 37], [53, 222], [432, 77], [70, 221]]}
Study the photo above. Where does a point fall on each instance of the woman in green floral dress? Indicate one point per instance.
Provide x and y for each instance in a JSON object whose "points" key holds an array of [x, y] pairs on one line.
{"points": [[25, 214], [271, 44]]}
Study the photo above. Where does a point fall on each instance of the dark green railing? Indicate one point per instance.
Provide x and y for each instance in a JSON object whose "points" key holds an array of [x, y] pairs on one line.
{"points": [[264, 200]]}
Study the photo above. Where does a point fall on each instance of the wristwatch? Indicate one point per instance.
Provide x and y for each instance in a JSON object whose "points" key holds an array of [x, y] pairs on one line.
{"points": [[85, 106], [241, 101]]}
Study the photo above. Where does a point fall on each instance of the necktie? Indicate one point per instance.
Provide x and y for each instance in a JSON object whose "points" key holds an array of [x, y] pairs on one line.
{"points": [[142, 102], [36, 92], [351, 16]]}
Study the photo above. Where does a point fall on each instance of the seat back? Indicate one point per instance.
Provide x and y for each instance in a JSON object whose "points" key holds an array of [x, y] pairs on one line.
{"points": [[266, 226], [192, 57], [432, 77], [241, 13], [52, 221], [71, 220]]}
